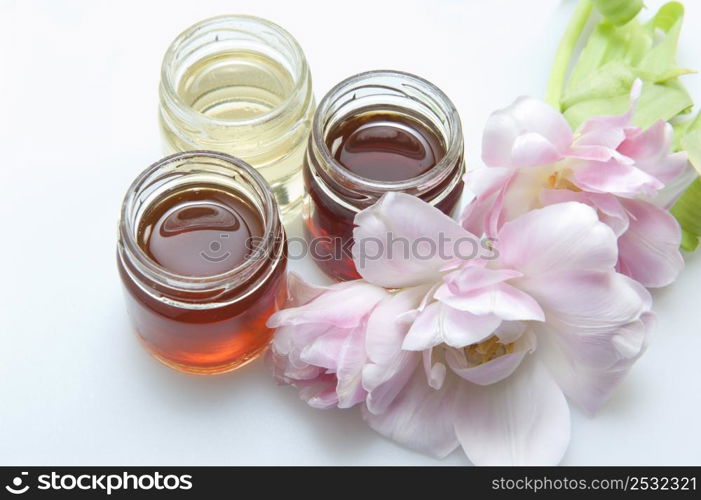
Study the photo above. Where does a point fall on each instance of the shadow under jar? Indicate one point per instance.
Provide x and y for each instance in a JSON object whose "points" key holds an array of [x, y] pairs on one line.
{"points": [[240, 85], [373, 133], [202, 255]]}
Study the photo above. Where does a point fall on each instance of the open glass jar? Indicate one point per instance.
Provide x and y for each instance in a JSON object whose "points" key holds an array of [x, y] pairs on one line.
{"points": [[240, 85], [202, 256], [373, 133]]}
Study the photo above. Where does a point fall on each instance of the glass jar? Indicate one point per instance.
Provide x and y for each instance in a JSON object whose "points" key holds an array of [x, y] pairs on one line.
{"points": [[202, 323], [240, 85], [335, 193]]}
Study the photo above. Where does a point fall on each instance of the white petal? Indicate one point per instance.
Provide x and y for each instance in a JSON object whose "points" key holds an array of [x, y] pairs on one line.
{"points": [[492, 371], [522, 420], [435, 370], [461, 328], [439, 323], [420, 418]]}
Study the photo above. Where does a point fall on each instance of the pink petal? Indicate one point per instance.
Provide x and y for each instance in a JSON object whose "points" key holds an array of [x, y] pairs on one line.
{"points": [[615, 178], [351, 360], [389, 367], [384, 382], [649, 250], [420, 418], [527, 133], [532, 149], [438, 324], [591, 302], [598, 144], [325, 350], [341, 352], [435, 370], [516, 194], [599, 154], [610, 210], [651, 151], [482, 212], [357, 297], [557, 237], [403, 241], [299, 292], [471, 278], [523, 420], [492, 371], [425, 331], [385, 332], [573, 357], [319, 393], [501, 300], [590, 316], [460, 328]]}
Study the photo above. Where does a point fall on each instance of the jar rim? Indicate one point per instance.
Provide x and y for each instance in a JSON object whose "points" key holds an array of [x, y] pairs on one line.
{"points": [[233, 277], [300, 75], [454, 145]]}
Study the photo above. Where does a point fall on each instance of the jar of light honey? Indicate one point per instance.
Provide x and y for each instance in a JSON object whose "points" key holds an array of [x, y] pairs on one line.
{"points": [[240, 85]]}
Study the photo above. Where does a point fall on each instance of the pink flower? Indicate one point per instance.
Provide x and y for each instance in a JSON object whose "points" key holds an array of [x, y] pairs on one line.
{"points": [[318, 345], [478, 351], [609, 164]]}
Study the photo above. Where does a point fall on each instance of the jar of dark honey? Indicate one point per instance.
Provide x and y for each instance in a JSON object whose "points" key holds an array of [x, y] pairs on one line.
{"points": [[373, 133], [202, 256]]}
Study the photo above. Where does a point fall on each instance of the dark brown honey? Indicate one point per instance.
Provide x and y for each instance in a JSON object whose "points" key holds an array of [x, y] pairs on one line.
{"points": [[202, 232], [382, 146], [385, 146], [199, 232]]}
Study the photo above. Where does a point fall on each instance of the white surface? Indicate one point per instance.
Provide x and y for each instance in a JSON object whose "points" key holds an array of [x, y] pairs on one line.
{"points": [[80, 80]]}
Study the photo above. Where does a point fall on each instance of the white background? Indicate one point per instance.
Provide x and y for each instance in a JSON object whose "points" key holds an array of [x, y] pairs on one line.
{"points": [[78, 90]]}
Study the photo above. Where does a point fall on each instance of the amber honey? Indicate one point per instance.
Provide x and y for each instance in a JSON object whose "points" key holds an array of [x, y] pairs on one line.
{"points": [[374, 133], [202, 261]]}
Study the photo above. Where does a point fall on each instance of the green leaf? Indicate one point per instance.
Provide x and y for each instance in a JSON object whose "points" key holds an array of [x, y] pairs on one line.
{"points": [[662, 58], [662, 102], [691, 143], [613, 79], [583, 110], [689, 241], [608, 43], [687, 210]]}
